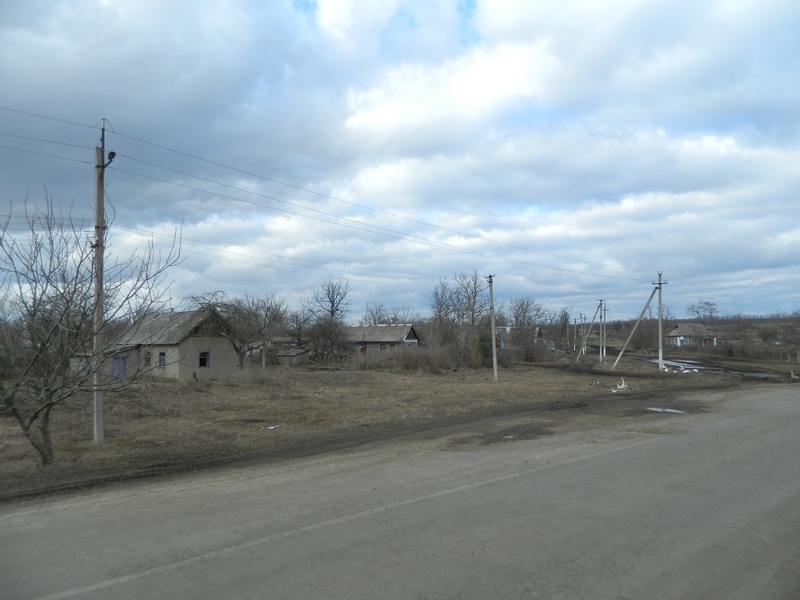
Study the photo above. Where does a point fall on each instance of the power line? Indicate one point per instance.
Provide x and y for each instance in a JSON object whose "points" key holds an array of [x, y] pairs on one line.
{"points": [[85, 162], [256, 254], [357, 225], [362, 206], [365, 227], [25, 137], [38, 116]]}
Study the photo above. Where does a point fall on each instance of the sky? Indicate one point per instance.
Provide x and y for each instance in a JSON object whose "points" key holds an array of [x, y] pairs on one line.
{"points": [[572, 149]]}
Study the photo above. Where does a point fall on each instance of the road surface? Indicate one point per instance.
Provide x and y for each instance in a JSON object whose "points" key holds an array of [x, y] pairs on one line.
{"points": [[657, 505]]}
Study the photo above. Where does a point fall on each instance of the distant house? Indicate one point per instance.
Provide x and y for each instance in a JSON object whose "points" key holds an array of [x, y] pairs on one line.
{"points": [[374, 339], [692, 335], [179, 345]]}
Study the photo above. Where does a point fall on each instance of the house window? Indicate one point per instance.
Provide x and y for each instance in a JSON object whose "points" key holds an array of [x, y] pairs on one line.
{"points": [[148, 358], [205, 359], [162, 359]]}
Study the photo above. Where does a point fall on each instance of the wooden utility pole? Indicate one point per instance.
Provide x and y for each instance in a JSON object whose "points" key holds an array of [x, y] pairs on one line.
{"points": [[99, 249], [494, 329]]}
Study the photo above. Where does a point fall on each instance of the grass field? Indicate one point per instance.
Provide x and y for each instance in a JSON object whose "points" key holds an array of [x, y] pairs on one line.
{"points": [[165, 426]]}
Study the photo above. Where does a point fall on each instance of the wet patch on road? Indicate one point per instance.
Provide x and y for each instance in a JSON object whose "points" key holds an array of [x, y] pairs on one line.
{"points": [[511, 433]]}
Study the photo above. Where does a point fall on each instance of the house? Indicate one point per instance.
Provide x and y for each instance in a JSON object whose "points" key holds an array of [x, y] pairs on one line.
{"points": [[690, 334], [373, 339], [180, 345]]}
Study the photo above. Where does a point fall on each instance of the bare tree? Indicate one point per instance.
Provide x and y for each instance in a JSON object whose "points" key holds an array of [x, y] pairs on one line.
{"points": [[703, 311], [563, 324], [329, 306], [525, 314], [247, 321], [440, 321], [667, 314], [457, 310], [297, 325], [47, 353], [403, 315], [330, 302], [375, 314]]}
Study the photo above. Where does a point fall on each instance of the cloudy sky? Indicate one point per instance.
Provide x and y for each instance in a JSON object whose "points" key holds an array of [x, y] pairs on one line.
{"points": [[573, 149]]}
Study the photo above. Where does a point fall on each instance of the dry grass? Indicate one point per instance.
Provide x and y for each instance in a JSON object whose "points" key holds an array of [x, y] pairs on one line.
{"points": [[170, 424]]}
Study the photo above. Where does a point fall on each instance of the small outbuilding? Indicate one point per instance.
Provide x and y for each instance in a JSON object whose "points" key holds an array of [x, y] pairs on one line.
{"points": [[293, 356]]}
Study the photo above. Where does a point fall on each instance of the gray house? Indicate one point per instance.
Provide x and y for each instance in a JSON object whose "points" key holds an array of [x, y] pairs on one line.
{"points": [[692, 335], [374, 339], [179, 345]]}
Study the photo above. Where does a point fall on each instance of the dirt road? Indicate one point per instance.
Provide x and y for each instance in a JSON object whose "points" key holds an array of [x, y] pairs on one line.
{"points": [[604, 501]]}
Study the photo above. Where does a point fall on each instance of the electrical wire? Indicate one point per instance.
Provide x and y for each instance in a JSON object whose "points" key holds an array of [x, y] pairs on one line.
{"points": [[352, 223], [362, 206]]}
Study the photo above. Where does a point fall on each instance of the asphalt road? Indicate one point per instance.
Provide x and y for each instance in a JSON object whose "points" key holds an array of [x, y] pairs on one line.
{"points": [[666, 505]]}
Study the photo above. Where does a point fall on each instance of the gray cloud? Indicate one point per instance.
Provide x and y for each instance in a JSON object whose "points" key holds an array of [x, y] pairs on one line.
{"points": [[572, 151]]}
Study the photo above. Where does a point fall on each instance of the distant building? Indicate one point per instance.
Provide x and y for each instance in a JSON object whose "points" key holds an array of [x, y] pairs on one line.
{"points": [[374, 339], [693, 335]]}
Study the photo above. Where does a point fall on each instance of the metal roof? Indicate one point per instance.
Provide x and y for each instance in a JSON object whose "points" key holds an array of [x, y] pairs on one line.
{"points": [[164, 329], [380, 334], [689, 329]]}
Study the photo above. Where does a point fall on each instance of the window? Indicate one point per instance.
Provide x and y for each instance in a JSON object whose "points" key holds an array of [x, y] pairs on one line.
{"points": [[148, 358], [162, 359], [205, 359]]}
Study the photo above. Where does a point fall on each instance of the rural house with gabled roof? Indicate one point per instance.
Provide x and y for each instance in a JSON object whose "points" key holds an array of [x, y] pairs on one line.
{"points": [[373, 339], [690, 334], [180, 345]]}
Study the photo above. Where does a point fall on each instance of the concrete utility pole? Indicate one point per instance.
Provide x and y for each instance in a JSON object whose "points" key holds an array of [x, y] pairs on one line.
{"points": [[99, 249], [494, 329], [586, 335], [575, 333], [602, 331], [660, 326], [649, 300]]}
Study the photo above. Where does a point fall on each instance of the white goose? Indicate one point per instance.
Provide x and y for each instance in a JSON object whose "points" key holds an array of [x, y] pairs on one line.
{"points": [[621, 386]]}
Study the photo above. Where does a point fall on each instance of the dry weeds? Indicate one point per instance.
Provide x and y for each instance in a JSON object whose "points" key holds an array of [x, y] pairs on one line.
{"points": [[172, 425]]}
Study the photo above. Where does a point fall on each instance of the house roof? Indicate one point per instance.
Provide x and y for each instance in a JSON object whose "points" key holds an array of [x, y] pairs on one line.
{"points": [[380, 334], [164, 329], [690, 330]]}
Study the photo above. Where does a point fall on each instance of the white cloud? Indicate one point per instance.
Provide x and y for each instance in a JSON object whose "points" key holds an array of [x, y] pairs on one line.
{"points": [[468, 91], [590, 143], [350, 21]]}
